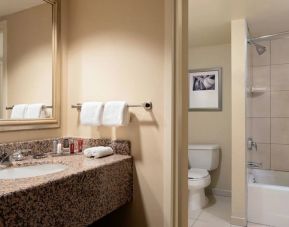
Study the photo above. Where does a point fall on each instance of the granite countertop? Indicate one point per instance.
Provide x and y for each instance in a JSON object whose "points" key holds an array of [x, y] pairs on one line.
{"points": [[81, 194], [76, 163]]}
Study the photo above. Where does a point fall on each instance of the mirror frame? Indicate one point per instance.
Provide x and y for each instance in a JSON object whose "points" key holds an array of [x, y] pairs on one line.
{"points": [[54, 122]]}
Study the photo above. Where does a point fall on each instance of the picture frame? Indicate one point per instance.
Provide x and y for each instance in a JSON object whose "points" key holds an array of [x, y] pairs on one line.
{"points": [[205, 89]]}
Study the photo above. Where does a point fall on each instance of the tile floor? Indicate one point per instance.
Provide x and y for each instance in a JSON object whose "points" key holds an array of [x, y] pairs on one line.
{"points": [[216, 214]]}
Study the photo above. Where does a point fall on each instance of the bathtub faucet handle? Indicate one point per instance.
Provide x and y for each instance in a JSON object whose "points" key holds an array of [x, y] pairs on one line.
{"points": [[251, 144]]}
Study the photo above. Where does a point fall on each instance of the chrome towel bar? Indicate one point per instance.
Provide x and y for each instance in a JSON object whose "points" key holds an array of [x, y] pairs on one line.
{"points": [[145, 105], [11, 107]]}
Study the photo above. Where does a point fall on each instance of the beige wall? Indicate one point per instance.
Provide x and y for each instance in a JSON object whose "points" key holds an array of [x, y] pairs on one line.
{"points": [[239, 73], [116, 52], [214, 126], [29, 56]]}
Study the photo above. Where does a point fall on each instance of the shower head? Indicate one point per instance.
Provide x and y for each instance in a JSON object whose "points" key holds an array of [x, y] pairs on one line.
{"points": [[259, 48]]}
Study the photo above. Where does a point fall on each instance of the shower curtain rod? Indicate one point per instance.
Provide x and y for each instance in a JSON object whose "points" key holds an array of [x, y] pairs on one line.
{"points": [[268, 36]]}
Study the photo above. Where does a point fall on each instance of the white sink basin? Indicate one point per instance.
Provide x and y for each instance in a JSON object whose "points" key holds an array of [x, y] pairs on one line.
{"points": [[31, 171]]}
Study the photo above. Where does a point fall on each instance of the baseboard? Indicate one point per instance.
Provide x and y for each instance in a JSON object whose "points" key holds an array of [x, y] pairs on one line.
{"points": [[238, 221], [221, 192]]}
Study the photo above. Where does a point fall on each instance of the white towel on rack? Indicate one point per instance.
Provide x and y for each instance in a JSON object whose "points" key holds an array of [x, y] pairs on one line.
{"points": [[34, 111], [18, 111], [115, 114], [91, 113]]}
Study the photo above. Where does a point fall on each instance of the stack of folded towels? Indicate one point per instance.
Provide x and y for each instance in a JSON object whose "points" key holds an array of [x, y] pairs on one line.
{"points": [[97, 152], [109, 114]]}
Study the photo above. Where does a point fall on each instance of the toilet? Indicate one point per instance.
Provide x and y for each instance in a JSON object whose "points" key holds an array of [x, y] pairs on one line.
{"points": [[202, 158]]}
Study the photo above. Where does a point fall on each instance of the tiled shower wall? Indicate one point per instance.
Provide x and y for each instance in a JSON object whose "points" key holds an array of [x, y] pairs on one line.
{"points": [[268, 111]]}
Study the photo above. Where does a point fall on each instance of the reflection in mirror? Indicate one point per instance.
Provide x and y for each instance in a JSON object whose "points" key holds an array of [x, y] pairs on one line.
{"points": [[26, 77]]}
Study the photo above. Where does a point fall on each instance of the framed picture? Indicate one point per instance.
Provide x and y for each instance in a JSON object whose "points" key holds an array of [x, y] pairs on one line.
{"points": [[205, 89]]}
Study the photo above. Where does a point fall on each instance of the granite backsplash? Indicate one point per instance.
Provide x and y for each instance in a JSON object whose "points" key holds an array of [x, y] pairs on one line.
{"points": [[45, 146]]}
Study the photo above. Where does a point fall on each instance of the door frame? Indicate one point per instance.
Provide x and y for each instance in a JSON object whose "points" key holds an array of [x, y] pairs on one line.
{"points": [[3, 76], [176, 118]]}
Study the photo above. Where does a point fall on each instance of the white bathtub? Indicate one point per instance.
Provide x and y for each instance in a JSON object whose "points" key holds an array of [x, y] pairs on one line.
{"points": [[268, 197]]}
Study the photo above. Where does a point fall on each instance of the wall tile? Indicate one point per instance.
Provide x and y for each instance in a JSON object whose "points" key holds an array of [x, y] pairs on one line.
{"points": [[248, 127], [280, 77], [261, 76], [268, 112], [263, 59], [259, 105], [279, 157], [280, 130], [261, 155], [280, 51], [280, 104], [260, 128]]}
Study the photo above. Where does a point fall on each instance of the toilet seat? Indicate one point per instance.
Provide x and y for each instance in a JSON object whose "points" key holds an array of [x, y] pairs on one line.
{"points": [[195, 174]]}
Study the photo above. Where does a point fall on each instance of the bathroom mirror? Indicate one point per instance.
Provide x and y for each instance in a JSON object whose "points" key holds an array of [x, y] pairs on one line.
{"points": [[29, 64]]}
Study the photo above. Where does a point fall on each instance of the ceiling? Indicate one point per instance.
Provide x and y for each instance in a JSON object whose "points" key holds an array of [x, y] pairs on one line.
{"points": [[12, 6], [209, 20]]}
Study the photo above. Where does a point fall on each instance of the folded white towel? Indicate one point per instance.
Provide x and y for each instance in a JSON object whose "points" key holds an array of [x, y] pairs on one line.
{"points": [[98, 152], [34, 111], [91, 113], [18, 111], [115, 114]]}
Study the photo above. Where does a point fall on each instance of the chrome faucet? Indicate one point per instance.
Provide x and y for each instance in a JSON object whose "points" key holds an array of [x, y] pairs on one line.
{"points": [[18, 155], [5, 158]]}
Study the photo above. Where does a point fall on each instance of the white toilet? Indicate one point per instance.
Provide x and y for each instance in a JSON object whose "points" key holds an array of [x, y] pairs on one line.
{"points": [[202, 158]]}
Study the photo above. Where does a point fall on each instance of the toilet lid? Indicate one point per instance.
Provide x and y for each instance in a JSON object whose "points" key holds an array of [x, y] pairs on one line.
{"points": [[197, 173]]}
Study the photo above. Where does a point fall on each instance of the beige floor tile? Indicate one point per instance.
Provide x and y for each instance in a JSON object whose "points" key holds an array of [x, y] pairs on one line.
{"points": [[217, 214], [194, 214], [191, 222], [256, 225], [201, 223]]}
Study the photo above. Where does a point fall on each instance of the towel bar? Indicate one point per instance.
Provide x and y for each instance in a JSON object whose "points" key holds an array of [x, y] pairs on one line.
{"points": [[11, 107], [145, 105]]}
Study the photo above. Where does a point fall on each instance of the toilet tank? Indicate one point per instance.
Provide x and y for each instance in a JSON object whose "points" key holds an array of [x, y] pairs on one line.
{"points": [[204, 156]]}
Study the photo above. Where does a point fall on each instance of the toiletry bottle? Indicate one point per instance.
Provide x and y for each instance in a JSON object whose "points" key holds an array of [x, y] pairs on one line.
{"points": [[59, 151], [66, 145], [71, 146], [80, 145], [54, 146]]}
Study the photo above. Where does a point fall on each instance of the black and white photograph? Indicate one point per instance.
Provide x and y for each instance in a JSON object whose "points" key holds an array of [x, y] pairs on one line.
{"points": [[206, 82], [205, 90]]}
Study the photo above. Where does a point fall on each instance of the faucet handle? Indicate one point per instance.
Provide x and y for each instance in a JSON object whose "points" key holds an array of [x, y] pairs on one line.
{"points": [[251, 144], [16, 156]]}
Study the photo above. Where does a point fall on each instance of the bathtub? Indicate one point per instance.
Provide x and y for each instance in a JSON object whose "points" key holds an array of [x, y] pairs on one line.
{"points": [[268, 197]]}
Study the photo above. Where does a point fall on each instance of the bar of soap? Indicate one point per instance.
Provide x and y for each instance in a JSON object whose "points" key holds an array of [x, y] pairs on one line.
{"points": [[98, 152]]}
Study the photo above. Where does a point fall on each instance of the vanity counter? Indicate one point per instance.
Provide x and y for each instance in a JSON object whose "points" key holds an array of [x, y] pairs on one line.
{"points": [[81, 194]]}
